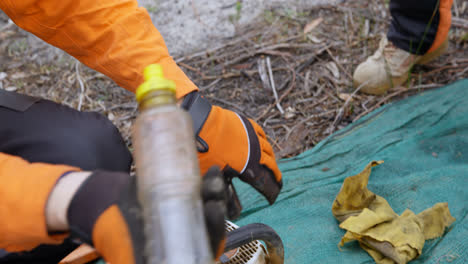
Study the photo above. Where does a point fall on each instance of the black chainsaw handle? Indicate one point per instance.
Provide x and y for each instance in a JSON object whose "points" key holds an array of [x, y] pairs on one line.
{"points": [[246, 234]]}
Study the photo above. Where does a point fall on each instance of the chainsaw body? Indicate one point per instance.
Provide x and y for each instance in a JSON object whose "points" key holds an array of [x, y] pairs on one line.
{"points": [[243, 246]]}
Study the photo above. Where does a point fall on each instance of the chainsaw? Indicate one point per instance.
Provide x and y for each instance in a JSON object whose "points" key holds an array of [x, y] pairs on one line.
{"points": [[243, 246]]}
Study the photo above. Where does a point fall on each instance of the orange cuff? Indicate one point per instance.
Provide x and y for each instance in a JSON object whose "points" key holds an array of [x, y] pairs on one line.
{"points": [[445, 20], [24, 190]]}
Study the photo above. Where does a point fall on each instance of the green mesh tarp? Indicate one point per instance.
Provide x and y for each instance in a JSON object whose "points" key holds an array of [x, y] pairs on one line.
{"points": [[424, 143]]}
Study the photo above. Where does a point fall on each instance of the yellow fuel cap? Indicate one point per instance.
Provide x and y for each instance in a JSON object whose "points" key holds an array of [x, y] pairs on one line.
{"points": [[154, 80]]}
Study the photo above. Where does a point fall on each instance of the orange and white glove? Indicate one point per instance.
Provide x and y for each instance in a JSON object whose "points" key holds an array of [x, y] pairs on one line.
{"points": [[234, 143]]}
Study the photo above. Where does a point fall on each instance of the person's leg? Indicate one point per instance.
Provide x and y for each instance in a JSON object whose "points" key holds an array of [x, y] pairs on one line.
{"points": [[414, 23], [43, 131], [419, 27], [417, 34], [52, 133]]}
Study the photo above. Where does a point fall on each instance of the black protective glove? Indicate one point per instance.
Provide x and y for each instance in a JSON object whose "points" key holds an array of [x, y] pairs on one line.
{"points": [[106, 214]]}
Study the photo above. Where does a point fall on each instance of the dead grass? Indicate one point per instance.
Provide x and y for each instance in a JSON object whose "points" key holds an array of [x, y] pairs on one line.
{"points": [[309, 72]]}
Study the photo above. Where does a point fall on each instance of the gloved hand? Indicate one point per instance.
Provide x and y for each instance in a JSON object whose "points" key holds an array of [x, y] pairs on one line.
{"points": [[109, 220], [234, 143], [102, 209], [113, 222]]}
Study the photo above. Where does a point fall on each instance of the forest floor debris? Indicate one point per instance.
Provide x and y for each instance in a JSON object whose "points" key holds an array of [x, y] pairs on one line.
{"points": [[292, 73]]}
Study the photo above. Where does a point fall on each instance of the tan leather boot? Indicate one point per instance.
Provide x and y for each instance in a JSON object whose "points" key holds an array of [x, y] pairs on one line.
{"points": [[389, 67]]}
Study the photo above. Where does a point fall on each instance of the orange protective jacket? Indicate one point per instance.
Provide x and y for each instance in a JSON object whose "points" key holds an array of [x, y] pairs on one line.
{"points": [[114, 37]]}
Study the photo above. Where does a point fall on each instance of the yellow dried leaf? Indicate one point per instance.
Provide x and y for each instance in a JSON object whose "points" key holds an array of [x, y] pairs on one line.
{"points": [[386, 236]]}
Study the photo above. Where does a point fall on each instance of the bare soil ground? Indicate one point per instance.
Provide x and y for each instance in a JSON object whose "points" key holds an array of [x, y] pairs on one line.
{"points": [[309, 57]]}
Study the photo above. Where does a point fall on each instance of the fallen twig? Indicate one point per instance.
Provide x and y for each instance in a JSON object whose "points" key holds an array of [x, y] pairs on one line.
{"points": [[192, 69], [202, 88], [338, 63], [307, 119], [386, 98], [272, 84], [80, 81], [263, 74], [237, 74], [460, 22], [222, 46], [339, 116], [255, 52], [241, 109], [438, 69], [291, 86]]}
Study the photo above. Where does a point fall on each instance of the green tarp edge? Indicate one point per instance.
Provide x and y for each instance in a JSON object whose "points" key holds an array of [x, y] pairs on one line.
{"points": [[424, 143]]}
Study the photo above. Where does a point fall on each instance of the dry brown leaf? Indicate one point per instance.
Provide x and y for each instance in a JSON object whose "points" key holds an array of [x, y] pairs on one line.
{"points": [[345, 96], [312, 25], [331, 66], [295, 141]]}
